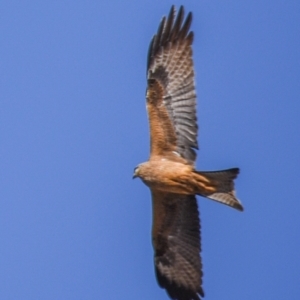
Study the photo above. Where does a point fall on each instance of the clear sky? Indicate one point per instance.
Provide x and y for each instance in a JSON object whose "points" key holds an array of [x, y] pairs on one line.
{"points": [[73, 125]]}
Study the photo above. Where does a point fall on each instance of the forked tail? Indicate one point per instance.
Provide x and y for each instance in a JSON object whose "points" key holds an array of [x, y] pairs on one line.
{"points": [[223, 183]]}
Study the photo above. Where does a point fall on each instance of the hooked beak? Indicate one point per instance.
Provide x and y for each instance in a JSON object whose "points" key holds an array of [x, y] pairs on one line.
{"points": [[135, 173]]}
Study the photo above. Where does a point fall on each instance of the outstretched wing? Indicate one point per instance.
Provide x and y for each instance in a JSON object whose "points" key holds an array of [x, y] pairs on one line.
{"points": [[176, 242], [171, 96]]}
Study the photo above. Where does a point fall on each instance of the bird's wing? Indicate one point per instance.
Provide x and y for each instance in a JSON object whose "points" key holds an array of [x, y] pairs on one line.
{"points": [[171, 96], [176, 242]]}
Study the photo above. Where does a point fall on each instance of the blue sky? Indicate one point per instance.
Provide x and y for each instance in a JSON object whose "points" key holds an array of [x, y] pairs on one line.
{"points": [[73, 125]]}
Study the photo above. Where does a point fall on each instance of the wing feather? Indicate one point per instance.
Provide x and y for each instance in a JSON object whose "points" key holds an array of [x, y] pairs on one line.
{"points": [[171, 96], [176, 242]]}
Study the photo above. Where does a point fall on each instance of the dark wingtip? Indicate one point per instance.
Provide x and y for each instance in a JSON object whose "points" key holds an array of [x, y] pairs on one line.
{"points": [[239, 207], [170, 28]]}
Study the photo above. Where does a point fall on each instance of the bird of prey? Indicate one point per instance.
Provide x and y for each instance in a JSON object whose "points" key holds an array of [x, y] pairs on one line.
{"points": [[170, 171]]}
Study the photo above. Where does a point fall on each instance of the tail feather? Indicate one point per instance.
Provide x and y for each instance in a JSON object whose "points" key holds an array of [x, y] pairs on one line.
{"points": [[223, 182]]}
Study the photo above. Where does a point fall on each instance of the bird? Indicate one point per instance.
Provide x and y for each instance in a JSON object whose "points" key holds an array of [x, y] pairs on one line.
{"points": [[170, 171]]}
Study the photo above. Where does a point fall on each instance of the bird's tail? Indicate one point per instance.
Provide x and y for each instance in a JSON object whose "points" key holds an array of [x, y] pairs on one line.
{"points": [[223, 185]]}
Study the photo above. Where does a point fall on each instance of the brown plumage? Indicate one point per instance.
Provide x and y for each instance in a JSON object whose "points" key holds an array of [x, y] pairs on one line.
{"points": [[170, 172]]}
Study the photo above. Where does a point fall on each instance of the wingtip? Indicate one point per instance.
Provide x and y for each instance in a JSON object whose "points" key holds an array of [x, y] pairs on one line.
{"points": [[239, 207], [172, 10], [169, 28]]}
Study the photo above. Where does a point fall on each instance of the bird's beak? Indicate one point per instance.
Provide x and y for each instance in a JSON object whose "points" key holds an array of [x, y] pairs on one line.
{"points": [[135, 175]]}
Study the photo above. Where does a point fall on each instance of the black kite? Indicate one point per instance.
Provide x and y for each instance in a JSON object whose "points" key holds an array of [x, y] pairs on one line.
{"points": [[170, 172]]}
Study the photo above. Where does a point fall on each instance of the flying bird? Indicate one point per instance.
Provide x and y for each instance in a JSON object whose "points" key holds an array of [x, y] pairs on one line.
{"points": [[170, 171]]}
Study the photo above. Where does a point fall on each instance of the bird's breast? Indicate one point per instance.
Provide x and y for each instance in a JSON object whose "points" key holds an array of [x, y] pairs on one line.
{"points": [[167, 176]]}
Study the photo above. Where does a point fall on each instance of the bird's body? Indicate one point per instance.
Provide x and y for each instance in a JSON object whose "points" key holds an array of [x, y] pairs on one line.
{"points": [[170, 172], [174, 177]]}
